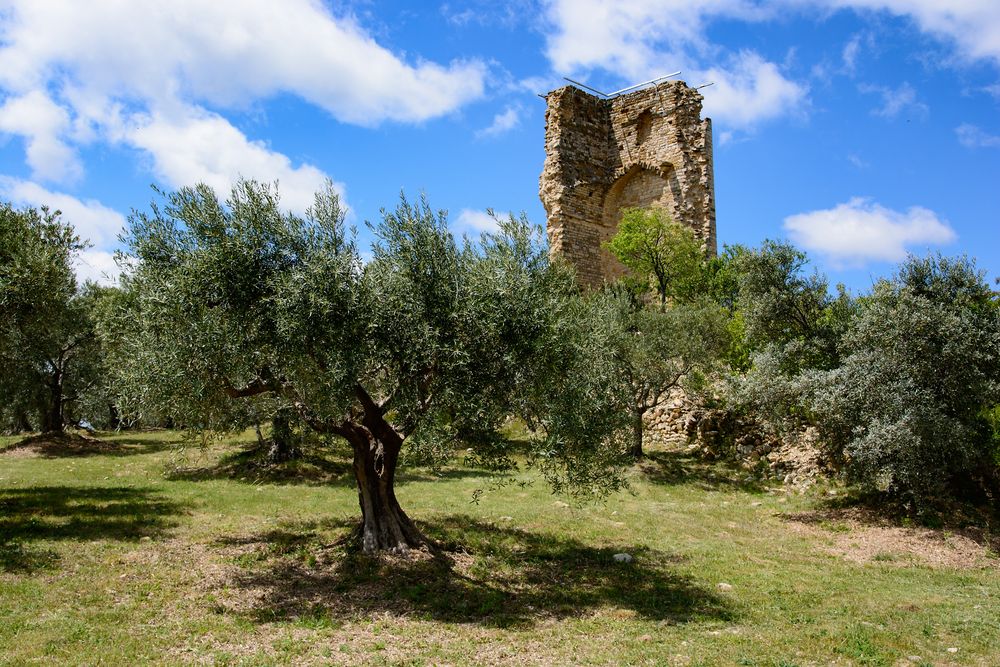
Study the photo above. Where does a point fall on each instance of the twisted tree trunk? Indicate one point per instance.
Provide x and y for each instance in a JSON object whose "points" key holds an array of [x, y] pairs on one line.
{"points": [[53, 418], [384, 524], [376, 444], [283, 447]]}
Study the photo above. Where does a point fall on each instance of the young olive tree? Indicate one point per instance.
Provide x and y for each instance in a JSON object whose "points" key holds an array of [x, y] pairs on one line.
{"points": [[428, 341], [659, 351]]}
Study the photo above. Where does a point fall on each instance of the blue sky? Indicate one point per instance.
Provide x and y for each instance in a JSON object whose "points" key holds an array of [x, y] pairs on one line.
{"points": [[859, 129]]}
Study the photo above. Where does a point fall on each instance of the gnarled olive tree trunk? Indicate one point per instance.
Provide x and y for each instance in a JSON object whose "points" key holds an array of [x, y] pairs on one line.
{"points": [[53, 417], [376, 445], [384, 524], [283, 446]]}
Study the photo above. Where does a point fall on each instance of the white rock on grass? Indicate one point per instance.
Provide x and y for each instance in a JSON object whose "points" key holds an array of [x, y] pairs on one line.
{"points": [[723, 586], [623, 558]]}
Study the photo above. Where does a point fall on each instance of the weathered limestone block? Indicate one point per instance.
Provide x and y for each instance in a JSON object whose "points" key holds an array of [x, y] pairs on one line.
{"points": [[646, 148]]}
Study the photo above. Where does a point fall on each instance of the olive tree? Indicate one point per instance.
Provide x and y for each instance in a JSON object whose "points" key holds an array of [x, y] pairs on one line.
{"points": [[430, 341], [659, 351], [48, 351], [790, 324]]}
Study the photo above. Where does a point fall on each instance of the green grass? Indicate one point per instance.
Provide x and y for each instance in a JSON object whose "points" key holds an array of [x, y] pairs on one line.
{"points": [[150, 550]]}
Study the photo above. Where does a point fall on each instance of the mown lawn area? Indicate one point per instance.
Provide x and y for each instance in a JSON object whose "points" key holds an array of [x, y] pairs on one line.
{"points": [[145, 549]]}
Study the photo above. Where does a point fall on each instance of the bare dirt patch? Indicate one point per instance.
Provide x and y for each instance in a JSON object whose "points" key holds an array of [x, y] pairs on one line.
{"points": [[862, 536]]}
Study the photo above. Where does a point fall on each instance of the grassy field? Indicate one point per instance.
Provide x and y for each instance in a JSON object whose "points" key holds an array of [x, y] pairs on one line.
{"points": [[145, 550]]}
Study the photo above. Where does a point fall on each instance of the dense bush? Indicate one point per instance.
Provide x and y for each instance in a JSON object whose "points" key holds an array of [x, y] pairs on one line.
{"points": [[789, 322], [920, 370], [902, 382]]}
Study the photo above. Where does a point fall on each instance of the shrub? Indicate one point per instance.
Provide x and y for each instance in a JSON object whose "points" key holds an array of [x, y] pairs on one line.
{"points": [[920, 367]]}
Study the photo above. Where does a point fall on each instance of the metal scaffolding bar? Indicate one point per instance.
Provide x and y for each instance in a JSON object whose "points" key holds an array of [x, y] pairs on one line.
{"points": [[644, 83]]}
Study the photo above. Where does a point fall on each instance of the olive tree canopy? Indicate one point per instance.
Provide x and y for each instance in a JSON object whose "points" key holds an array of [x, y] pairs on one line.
{"points": [[430, 341]]}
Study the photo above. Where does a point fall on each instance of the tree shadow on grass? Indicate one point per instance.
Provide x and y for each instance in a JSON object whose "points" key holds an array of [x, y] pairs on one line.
{"points": [[75, 513], [316, 468], [676, 467], [499, 576], [250, 465], [54, 446]]}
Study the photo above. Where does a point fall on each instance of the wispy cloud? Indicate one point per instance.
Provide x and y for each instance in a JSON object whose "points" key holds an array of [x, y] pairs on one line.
{"points": [[895, 101], [475, 221], [849, 55], [503, 122], [972, 136], [971, 26], [857, 161]]}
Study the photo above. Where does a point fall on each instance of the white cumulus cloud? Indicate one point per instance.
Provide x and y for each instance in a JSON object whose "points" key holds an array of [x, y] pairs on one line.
{"points": [[862, 231], [157, 75], [43, 124], [750, 89], [226, 52], [93, 221], [96, 266], [199, 146], [639, 39]]}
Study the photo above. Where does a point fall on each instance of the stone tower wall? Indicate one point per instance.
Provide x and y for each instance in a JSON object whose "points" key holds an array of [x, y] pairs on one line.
{"points": [[646, 148]]}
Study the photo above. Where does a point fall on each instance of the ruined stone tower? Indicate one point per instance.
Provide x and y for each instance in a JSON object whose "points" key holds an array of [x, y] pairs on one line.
{"points": [[642, 149]]}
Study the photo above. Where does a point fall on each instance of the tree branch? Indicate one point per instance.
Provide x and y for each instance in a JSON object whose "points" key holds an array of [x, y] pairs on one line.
{"points": [[256, 387]]}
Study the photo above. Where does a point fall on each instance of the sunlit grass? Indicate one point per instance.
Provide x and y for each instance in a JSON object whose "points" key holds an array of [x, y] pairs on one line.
{"points": [[154, 549]]}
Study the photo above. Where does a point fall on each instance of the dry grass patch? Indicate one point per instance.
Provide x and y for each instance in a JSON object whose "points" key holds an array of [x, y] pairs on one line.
{"points": [[860, 535]]}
